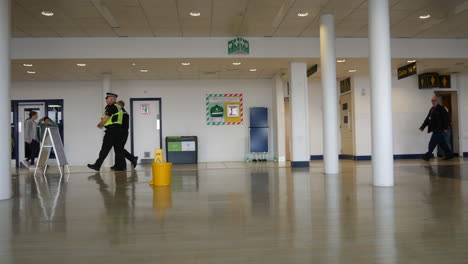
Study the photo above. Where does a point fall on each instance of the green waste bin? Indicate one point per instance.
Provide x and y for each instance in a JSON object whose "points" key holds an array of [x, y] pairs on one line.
{"points": [[182, 150]]}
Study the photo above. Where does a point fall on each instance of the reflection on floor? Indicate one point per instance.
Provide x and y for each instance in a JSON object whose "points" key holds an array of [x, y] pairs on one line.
{"points": [[239, 213]]}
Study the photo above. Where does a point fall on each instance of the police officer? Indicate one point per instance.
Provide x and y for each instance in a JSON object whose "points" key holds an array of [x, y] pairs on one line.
{"points": [[124, 136], [112, 121]]}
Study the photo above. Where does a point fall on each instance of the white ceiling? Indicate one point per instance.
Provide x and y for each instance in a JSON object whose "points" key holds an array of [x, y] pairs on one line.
{"points": [[171, 69], [278, 18]]}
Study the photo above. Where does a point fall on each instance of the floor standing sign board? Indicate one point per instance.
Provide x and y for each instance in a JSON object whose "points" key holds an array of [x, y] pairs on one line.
{"points": [[52, 140]]}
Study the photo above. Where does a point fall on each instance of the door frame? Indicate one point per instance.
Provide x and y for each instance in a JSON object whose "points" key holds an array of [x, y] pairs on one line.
{"points": [[14, 107], [132, 100]]}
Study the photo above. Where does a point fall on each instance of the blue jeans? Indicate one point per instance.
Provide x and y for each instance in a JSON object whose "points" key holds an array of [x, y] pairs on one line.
{"points": [[447, 135], [437, 138]]}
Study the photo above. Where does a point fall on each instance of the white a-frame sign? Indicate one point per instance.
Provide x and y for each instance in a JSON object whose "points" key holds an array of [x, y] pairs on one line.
{"points": [[52, 140]]}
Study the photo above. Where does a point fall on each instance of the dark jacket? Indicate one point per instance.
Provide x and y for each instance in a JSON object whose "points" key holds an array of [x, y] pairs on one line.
{"points": [[437, 120], [125, 121]]}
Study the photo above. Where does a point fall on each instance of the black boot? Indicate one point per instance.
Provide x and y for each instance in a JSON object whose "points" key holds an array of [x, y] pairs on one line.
{"points": [[135, 161], [449, 156], [93, 167]]}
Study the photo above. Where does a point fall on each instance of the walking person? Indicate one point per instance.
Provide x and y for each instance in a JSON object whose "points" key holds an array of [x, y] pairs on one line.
{"points": [[112, 121], [437, 121], [45, 123], [447, 137], [124, 136], [31, 139]]}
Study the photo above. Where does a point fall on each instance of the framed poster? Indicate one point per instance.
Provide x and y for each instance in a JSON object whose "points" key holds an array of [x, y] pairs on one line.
{"points": [[224, 109]]}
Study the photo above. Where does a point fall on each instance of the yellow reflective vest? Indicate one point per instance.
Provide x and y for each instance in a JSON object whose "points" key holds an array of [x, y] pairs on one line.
{"points": [[119, 115]]}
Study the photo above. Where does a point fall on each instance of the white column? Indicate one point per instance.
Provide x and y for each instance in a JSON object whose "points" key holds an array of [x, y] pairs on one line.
{"points": [[5, 103], [107, 88], [384, 219], [6, 231], [381, 92], [330, 99], [280, 119], [299, 115]]}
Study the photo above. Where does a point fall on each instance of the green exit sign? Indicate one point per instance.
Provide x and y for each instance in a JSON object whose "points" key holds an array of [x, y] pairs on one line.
{"points": [[238, 46]]}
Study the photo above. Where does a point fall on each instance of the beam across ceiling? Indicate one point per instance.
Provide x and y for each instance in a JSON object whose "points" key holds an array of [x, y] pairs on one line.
{"points": [[76, 48]]}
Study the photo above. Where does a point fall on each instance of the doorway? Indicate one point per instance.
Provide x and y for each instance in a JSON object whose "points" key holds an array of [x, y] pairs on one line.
{"points": [[449, 99], [346, 125], [20, 110], [146, 127]]}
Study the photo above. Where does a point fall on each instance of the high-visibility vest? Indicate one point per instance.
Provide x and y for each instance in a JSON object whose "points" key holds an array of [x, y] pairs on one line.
{"points": [[119, 115]]}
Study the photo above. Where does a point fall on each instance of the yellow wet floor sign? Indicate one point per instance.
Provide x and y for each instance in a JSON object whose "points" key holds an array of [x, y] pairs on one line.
{"points": [[158, 156]]}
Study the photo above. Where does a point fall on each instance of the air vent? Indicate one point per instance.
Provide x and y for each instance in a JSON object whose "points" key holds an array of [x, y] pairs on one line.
{"points": [[147, 154]]}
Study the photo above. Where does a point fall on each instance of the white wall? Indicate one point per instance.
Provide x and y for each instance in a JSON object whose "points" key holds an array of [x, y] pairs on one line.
{"points": [[183, 112], [462, 84], [315, 116], [361, 103], [82, 109], [410, 107]]}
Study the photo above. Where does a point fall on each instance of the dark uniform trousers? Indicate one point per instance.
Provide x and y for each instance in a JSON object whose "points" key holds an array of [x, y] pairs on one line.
{"points": [[112, 139], [123, 141]]}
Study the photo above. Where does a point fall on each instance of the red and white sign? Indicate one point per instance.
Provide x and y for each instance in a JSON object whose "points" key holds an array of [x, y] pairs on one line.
{"points": [[144, 109]]}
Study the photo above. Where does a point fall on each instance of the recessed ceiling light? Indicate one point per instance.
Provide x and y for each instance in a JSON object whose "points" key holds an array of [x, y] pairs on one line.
{"points": [[253, 70], [302, 14], [81, 64], [410, 61], [47, 13], [27, 65], [195, 14], [341, 60], [133, 64], [31, 72], [425, 16], [352, 70], [185, 63], [236, 63], [144, 70]]}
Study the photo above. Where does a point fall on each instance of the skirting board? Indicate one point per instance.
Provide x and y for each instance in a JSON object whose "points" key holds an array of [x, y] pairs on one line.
{"points": [[299, 164], [397, 157]]}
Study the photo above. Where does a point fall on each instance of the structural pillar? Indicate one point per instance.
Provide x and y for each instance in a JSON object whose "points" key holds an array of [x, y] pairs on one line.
{"points": [[299, 98], [330, 100], [381, 92], [280, 119], [106, 88], [5, 103]]}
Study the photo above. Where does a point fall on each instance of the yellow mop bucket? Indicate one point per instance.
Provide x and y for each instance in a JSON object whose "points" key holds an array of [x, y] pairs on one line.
{"points": [[161, 174]]}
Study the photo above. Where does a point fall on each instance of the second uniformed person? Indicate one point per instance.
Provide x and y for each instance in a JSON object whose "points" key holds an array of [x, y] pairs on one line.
{"points": [[112, 121], [124, 136]]}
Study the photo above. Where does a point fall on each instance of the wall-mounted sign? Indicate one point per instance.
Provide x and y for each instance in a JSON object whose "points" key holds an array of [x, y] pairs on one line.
{"points": [[144, 109], [312, 70], [444, 81], [238, 46], [232, 110], [428, 80], [224, 109], [345, 85], [407, 70]]}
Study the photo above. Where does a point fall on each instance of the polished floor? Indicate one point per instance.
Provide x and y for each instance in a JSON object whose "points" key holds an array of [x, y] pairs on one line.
{"points": [[239, 213]]}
